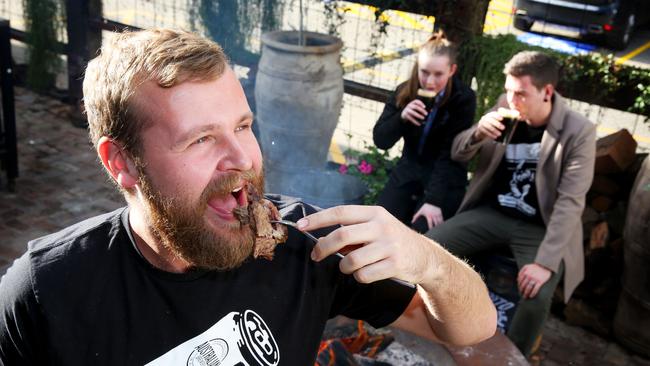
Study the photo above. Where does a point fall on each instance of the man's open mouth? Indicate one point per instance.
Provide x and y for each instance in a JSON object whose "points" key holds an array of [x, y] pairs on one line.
{"points": [[240, 195], [224, 204]]}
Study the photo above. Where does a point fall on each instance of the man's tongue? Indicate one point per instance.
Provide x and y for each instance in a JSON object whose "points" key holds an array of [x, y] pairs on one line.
{"points": [[223, 205]]}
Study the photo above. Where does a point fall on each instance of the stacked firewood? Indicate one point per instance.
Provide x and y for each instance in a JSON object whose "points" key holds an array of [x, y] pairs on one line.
{"points": [[594, 302]]}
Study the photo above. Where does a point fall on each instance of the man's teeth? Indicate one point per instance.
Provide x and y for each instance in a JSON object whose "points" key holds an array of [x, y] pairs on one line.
{"points": [[236, 190]]}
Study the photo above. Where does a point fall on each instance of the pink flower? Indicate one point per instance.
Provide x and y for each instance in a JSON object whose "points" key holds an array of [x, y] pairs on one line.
{"points": [[365, 167], [343, 169]]}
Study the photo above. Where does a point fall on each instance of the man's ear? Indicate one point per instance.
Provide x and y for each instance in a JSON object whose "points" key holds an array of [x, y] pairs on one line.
{"points": [[548, 92], [117, 163]]}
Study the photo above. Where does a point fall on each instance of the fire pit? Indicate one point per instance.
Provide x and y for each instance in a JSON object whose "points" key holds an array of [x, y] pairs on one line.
{"points": [[392, 346]]}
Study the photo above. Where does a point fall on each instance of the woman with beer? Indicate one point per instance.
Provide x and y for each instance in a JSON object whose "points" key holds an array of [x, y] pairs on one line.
{"points": [[427, 111]]}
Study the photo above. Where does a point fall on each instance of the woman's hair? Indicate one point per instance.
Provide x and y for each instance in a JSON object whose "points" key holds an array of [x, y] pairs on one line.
{"points": [[436, 45]]}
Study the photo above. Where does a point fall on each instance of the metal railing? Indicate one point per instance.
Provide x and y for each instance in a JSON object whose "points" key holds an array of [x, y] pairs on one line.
{"points": [[8, 149]]}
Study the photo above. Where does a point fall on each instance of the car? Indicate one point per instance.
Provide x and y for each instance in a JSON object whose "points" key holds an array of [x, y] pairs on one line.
{"points": [[611, 21]]}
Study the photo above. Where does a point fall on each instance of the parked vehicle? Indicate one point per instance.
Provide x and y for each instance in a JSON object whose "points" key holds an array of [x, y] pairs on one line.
{"points": [[612, 21]]}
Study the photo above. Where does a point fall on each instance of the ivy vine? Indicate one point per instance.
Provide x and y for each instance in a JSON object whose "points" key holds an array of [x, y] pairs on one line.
{"points": [[44, 21]]}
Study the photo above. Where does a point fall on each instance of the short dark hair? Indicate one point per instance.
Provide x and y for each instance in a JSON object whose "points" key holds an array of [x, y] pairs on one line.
{"points": [[542, 68]]}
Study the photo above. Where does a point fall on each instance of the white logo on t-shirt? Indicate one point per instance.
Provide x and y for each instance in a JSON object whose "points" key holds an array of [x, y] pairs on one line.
{"points": [[239, 338], [522, 178]]}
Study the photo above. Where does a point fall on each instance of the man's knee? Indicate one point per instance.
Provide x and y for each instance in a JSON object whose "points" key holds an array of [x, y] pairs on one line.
{"points": [[443, 234], [540, 303]]}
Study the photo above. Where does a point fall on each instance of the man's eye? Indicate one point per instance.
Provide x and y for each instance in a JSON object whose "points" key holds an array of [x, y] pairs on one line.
{"points": [[242, 128], [201, 140]]}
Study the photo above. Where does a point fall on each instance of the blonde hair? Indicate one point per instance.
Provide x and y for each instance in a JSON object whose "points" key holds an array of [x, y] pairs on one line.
{"points": [[436, 45], [164, 56]]}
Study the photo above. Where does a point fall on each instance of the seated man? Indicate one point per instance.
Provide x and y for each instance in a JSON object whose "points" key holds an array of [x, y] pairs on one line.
{"points": [[169, 279], [528, 194]]}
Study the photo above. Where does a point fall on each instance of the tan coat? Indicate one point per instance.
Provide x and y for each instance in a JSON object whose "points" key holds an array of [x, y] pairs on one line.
{"points": [[564, 173]]}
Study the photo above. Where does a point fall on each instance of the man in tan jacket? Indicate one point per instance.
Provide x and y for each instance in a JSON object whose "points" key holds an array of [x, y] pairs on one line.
{"points": [[528, 193]]}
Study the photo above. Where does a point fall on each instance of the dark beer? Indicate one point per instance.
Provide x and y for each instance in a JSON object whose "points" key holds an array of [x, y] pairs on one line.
{"points": [[428, 97], [510, 119]]}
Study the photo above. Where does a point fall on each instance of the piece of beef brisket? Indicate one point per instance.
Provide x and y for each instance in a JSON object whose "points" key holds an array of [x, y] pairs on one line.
{"points": [[258, 215]]}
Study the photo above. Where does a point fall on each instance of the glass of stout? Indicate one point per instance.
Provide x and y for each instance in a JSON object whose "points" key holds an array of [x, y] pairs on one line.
{"points": [[428, 97], [510, 119]]}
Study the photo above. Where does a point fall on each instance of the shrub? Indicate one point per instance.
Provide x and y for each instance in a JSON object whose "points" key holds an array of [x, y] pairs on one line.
{"points": [[372, 166], [591, 78]]}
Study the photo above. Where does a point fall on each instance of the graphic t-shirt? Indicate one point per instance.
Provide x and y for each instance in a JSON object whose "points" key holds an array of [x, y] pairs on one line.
{"points": [[513, 190], [85, 296]]}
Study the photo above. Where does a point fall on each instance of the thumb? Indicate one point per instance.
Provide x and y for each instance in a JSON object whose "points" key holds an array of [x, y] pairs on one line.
{"points": [[416, 216]]}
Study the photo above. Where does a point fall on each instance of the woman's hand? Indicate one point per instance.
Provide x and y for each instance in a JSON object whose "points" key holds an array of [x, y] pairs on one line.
{"points": [[415, 112], [433, 215]]}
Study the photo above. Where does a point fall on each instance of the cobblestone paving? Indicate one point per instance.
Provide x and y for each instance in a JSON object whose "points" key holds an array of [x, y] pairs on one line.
{"points": [[61, 183]]}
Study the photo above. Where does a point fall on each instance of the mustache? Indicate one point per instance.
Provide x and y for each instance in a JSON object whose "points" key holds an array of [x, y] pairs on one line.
{"points": [[227, 183]]}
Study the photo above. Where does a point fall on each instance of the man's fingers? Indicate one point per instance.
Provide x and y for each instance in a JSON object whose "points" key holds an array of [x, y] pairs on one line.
{"points": [[362, 257], [535, 290], [356, 234], [376, 271], [522, 280], [339, 215], [430, 221], [491, 131], [522, 273], [520, 286], [437, 220], [528, 288]]}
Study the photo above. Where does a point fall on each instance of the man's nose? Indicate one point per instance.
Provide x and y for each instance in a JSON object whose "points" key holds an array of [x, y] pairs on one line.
{"points": [[511, 98], [235, 156]]}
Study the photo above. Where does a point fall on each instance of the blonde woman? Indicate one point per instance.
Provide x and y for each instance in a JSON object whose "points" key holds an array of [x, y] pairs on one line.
{"points": [[426, 187]]}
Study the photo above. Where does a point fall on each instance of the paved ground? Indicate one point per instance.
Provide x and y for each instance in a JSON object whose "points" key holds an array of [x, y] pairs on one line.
{"points": [[61, 183]]}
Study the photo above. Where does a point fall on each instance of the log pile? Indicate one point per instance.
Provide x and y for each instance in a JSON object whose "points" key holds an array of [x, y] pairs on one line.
{"points": [[594, 302]]}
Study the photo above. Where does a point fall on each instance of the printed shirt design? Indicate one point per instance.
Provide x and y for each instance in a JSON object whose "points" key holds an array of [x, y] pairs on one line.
{"points": [[239, 338], [521, 160]]}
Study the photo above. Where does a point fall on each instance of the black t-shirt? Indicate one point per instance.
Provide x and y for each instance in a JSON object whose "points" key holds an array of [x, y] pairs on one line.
{"points": [[84, 296], [513, 190]]}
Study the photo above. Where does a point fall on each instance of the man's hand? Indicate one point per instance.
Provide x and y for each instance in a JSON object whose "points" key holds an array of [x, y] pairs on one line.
{"points": [[452, 303], [489, 126], [389, 248], [531, 278], [432, 213], [414, 112]]}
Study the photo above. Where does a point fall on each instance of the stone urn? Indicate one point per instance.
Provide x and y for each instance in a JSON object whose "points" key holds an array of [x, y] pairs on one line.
{"points": [[298, 94]]}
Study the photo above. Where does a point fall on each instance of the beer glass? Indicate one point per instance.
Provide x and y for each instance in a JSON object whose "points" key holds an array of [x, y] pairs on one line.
{"points": [[510, 119], [428, 97]]}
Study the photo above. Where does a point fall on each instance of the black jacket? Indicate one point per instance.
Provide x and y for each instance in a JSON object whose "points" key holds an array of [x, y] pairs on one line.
{"points": [[433, 169]]}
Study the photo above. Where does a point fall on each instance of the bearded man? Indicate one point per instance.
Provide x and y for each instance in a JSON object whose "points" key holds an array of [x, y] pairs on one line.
{"points": [[169, 279]]}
